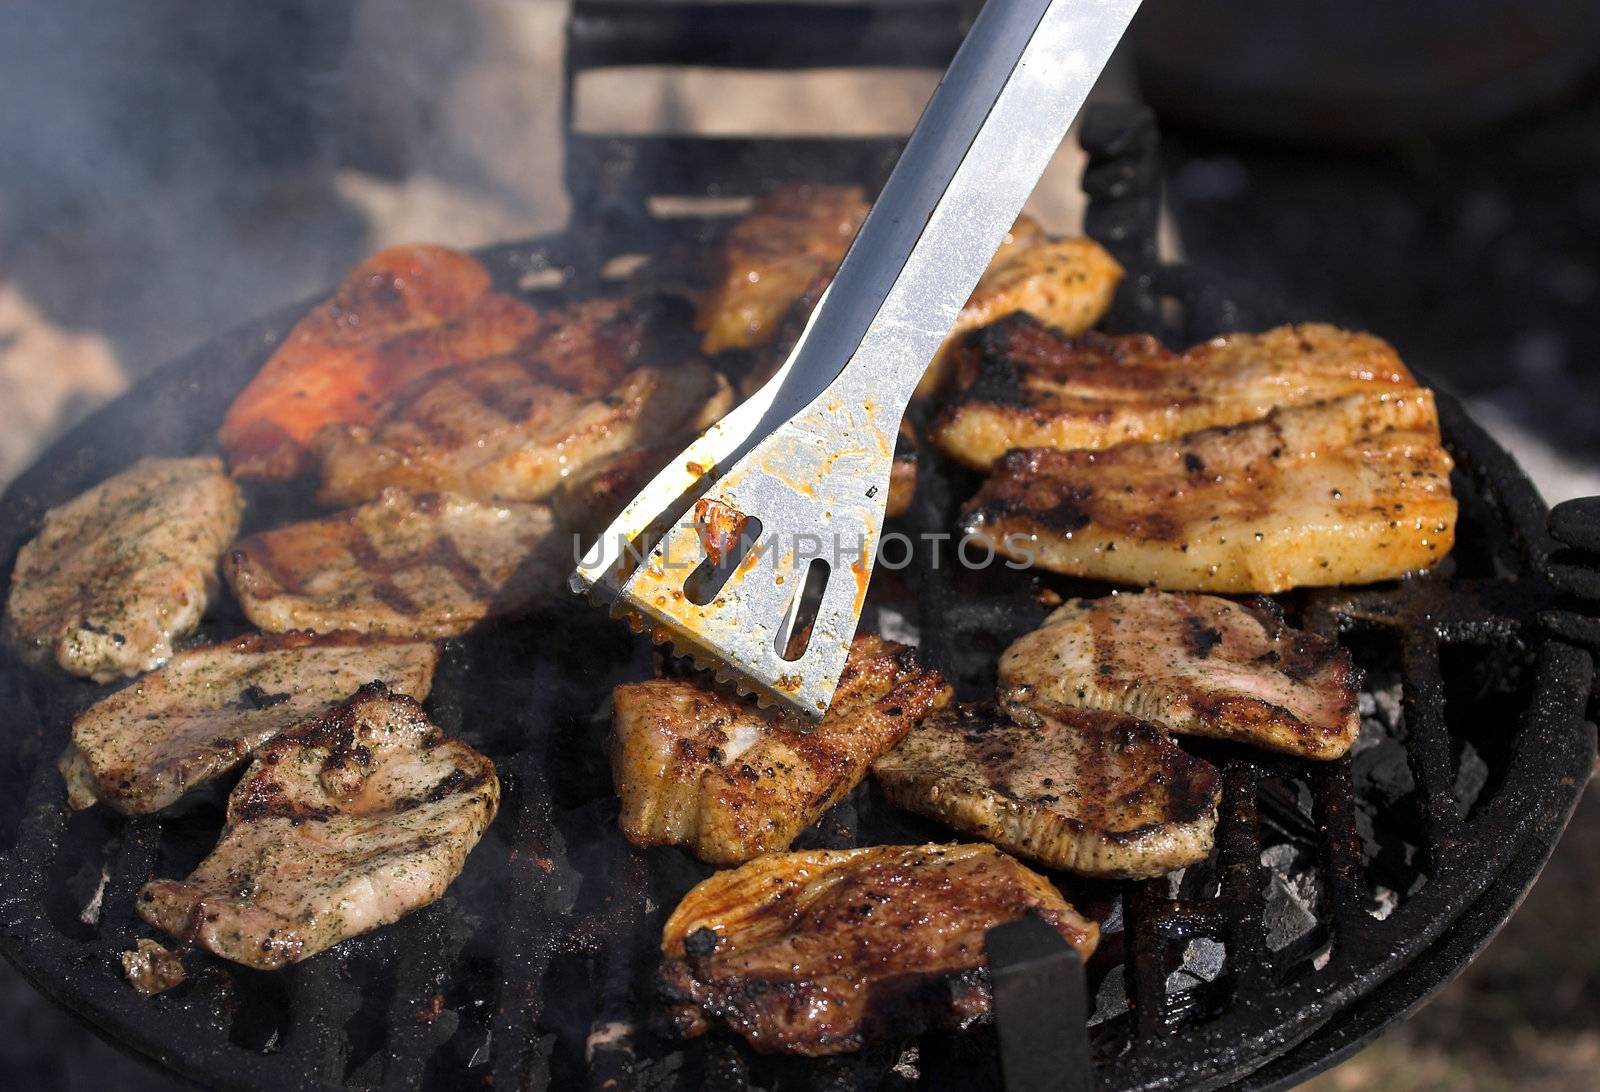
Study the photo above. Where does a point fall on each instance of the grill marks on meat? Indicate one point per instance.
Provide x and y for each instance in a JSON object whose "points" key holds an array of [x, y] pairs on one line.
{"points": [[792, 238], [1097, 793], [1197, 665], [1064, 284], [205, 712], [402, 565], [119, 572], [700, 768], [341, 825], [337, 362], [1028, 386], [819, 952], [512, 427], [1348, 491]]}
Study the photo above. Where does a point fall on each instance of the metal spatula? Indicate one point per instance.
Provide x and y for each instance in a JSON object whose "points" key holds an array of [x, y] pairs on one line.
{"points": [[751, 552]]}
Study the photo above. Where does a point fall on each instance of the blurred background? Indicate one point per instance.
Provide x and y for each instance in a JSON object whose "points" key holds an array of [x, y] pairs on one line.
{"points": [[1427, 170]]}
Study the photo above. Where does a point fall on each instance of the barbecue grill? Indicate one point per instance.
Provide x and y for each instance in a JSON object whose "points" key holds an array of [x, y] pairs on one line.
{"points": [[1339, 897]]}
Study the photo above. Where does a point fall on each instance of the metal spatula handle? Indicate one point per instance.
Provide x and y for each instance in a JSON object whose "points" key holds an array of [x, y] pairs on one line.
{"points": [[811, 451], [987, 134]]}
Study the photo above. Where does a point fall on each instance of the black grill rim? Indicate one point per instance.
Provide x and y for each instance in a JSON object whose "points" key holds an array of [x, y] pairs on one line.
{"points": [[1279, 1047]]}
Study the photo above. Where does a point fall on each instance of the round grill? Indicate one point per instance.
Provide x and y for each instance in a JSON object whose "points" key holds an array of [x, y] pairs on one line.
{"points": [[1338, 896]]}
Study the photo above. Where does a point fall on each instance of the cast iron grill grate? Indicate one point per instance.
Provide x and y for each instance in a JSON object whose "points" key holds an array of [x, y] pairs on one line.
{"points": [[1337, 895]]}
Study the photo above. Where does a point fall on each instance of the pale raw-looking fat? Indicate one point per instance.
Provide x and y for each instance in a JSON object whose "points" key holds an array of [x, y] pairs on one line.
{"points": [[819, 952], [343, 824], [1093, 792], [403, 565], [209, 708], [696, 766], [1197, 665], [1348, 491], [1026, 385], [120, 572]]}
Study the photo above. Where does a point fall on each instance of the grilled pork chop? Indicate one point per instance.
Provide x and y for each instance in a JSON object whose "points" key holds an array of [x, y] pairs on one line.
{"points": [[697, 767], [404, 565], [791, 238], [341, 825], [330, 368], [205, 712], [1197, 665], [1065, 284], [1027, 386], [1101, 794], [1342, 492], [119, 572], [819, 952], [512, 427]]}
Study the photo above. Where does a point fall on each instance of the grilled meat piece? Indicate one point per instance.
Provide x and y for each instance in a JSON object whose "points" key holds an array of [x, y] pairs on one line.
{"points": [[697, 767], [332, 366], [512, 427], [404, 565], [341, 825], [151, 969], [1197, 665], [1342, 492], [1068, 283], [791, 238], [1064, 284], [1098, 793], [1028, 386], [903, 472], [205, 712], [119, 572], [819, 952]]}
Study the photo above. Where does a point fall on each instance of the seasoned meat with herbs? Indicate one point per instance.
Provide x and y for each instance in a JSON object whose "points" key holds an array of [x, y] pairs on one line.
{"points": [[698, 767], [1197, 665], [120, 572], [791, 238], [820, 952], [1342, 492], [334, 365], [405, 565], [208, 709], [600, 379], [343, 824], [1092, 792], [1025, 385]]}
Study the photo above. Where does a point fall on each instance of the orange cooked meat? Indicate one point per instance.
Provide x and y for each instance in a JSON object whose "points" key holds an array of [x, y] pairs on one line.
{"points": [[400, 314]]}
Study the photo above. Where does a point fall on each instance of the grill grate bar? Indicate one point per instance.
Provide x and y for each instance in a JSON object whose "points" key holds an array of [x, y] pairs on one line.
{"points": [[1239, 869], [134, 864], [1428, 744], [1496, 475], [425, 954], [1343, 886], [1145, 904], [322, 998], [526, 932]]}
